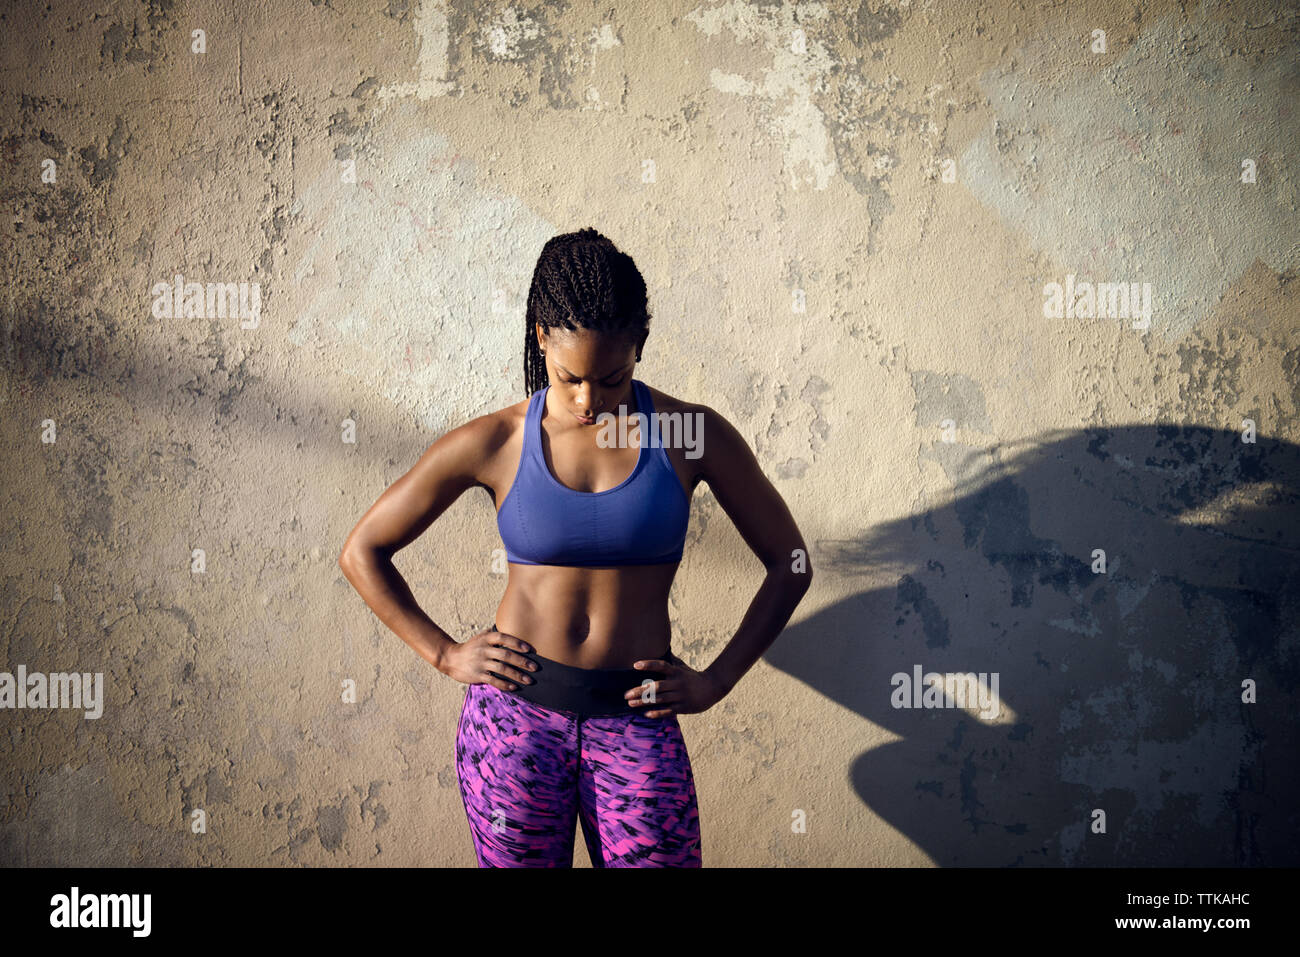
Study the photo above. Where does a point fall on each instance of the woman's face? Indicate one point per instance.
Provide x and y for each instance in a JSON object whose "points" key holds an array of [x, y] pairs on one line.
{"points": [[590, 373]]}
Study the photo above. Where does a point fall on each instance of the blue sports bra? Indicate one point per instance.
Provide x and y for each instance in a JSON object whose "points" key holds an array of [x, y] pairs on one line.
{"points": [[641, 521]]}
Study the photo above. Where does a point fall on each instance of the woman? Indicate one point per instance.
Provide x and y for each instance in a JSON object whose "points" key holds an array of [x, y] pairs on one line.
{"points": [[572, 702]]}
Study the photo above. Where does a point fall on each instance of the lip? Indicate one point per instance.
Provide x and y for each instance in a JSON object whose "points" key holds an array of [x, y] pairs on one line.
{"points": [[591, 421]]}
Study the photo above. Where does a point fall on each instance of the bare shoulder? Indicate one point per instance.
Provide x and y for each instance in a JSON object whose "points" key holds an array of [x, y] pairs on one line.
{"points": [[467, 456], [716, 443], [491, 428], [485, 439], [735, 477], [670, 403]]}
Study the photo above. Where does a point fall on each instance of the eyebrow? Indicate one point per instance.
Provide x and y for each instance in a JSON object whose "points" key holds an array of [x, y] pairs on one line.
{"points": [[602, 377]]}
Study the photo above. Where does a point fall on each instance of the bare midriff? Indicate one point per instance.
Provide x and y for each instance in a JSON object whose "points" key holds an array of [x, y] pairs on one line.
{"points": [[589, 617]]}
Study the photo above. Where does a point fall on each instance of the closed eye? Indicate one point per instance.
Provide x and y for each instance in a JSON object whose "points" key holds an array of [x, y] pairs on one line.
{"points": [[607, 384]]}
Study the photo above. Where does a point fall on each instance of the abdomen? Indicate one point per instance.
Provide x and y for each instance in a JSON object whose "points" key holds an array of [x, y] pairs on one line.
{"points": [[589, 617]]}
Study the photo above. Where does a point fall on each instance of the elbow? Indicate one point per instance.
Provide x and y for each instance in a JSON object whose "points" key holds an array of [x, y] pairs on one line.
{"points": [[355, 555], [802, 571], [354, 549], [350, 556], [795, 570]]}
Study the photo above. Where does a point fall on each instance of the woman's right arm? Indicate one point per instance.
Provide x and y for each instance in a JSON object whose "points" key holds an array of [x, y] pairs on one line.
{"points": [[406, 509]]}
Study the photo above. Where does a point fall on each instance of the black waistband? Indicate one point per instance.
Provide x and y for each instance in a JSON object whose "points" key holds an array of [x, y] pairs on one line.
{"points": [[584, 692]]}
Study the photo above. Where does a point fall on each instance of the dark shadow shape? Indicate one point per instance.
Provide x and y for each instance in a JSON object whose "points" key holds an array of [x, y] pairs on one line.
{"points": [[1126, 686]]}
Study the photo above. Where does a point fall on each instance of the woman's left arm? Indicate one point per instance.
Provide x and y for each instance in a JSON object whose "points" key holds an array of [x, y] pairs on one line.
{"points": [[765, 523], [760, 515]]}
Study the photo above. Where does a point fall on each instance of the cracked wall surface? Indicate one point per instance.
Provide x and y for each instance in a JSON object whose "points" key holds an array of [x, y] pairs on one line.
{"points": [[849, 217]]}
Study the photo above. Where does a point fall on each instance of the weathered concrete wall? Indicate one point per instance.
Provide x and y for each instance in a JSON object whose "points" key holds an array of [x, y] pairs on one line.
{"points": [[847, 215]]}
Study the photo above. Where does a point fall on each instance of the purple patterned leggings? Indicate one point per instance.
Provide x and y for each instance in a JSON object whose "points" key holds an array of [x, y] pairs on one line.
{"points": [[525, 773]]}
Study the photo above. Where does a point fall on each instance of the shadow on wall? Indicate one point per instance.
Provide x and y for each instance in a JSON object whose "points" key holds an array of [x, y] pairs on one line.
{"points": [[1120, 692]]}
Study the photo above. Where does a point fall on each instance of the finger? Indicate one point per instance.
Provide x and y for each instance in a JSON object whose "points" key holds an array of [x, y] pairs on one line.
{"points": [[513, 659], [655, 664], [659, 714], [503, 640], [658, 699], [657, 687], [510, 672], [494, 681]]}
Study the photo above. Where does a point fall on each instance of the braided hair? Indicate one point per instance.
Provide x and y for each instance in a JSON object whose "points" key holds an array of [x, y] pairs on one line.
{"points": [[582, 281]]}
